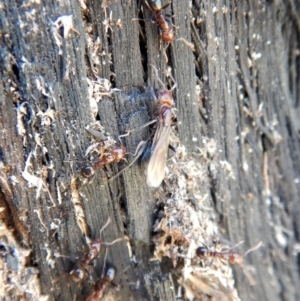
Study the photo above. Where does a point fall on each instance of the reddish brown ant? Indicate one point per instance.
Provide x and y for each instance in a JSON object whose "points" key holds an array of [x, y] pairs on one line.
{"points": [[116, 154], [160, 142], [102, 284], [231, 257], [79, 273], [166, 27]]}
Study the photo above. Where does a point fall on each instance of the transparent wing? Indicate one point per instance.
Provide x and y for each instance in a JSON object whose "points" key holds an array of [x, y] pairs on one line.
{"points": [[158, 159]]}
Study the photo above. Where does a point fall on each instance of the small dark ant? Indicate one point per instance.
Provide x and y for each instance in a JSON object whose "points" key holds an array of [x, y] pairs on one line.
{"points": [[102, 284], [116, 154], [231, 257]]}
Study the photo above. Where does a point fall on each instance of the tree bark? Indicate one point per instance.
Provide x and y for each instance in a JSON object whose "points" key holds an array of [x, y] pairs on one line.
{"points": [[237, 108]]}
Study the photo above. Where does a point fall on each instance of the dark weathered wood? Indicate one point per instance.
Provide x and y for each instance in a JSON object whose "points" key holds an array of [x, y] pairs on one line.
{"points": [[245, 61]]}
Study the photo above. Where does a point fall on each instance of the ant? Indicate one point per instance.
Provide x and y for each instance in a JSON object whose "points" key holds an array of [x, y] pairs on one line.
{"points": [[231, 257], [116, 154], [160, 143], [102, 284], [79, 273], [166, 27]]}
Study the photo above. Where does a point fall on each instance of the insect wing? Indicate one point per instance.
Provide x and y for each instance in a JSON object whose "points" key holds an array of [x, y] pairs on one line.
{"points": [[158, 159]]}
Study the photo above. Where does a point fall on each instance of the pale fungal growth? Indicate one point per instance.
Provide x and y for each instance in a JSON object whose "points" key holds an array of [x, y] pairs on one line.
{"points": [[38, 212], [24, 109], [107, 21], [20, 124], [49, 257], [96, 51], [97, 89], [96, 130], [65, 22], [186, 223], [187, 43], [224, 9], [215, 9], [47, 117], [119, 23], [228, 169], [39, 144], [41, 85], [256, 55], [35, 181]]}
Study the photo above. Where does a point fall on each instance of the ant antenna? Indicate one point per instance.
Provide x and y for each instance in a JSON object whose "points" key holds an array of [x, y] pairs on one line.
{"points": [[253, 248], [168, 73], [113, 242], [107, 223], [157, 77], [239, 243]]}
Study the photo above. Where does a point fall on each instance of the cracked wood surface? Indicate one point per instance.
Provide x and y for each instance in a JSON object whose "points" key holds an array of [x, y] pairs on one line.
{"points": [[246, 63]]}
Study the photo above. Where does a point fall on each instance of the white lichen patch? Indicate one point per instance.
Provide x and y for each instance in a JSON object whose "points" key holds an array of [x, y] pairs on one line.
{"points": [[185, 223]]}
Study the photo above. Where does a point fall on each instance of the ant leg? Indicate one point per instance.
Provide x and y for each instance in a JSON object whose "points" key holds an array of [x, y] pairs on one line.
{"points": [[146, 157], [90, 277], [107, 223], [106, 172], [161, 8], [168, 73], [103, 269], [137, 129], [187, 43], [140, 145], [172, 148], [253, 248], [226, 249], [166, 5], [147, 4], [113, 242], [153, 94], [239, 243], [164, 51], [157, 77]]}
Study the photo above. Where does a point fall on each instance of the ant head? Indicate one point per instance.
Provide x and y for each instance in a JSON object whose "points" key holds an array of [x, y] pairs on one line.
{"points": [[165, 97], [235, 258], [77, 275], [202, 252], [118, 153], [167, 36], [87, 172], [111, 273]]}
